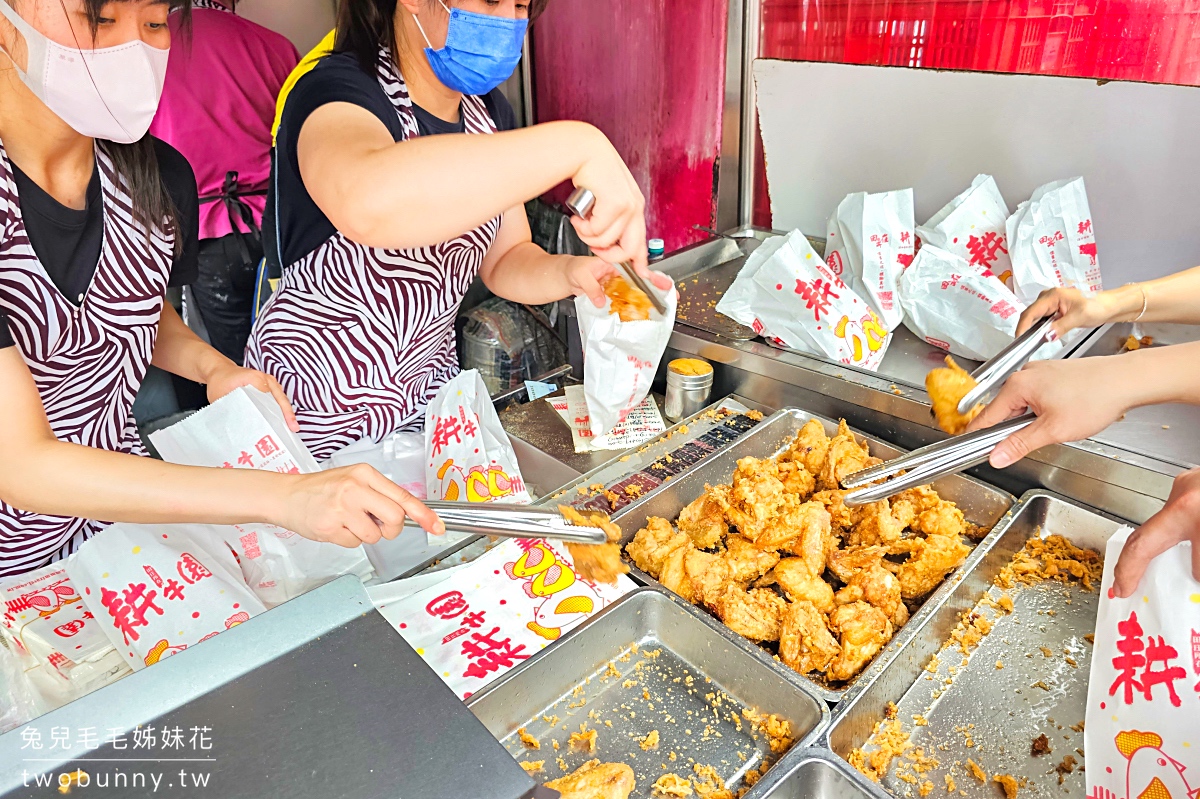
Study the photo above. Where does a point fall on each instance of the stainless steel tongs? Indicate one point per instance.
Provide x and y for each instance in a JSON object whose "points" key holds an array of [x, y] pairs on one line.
{"points": [[928, 464], [992, 374], [581, 203], [511, 521]]}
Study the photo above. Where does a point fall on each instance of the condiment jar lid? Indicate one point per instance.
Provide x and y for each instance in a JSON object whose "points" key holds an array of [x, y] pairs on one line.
{"points": [[689, 373]]}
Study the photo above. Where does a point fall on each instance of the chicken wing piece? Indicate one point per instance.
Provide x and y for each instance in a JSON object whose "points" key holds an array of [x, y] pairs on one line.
{"points": [[796, 479], [708, 573], [863, 631], [801, 526], [845, 563], [846, 456], [703, 521], [875, 525], [596, 780], [944, 519], [876, 586], [841, 516], [796, 578], [810, 447], [931, 560], [653, 544], [674, 576], [746, 561], [754, 614], [805, 643], [946, 387]]}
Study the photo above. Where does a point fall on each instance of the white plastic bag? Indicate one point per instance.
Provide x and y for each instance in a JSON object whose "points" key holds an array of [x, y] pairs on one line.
{"points": [[791, 296], [1143, 695], [869, 244], [400, 458], [468, 456], [958, 307], [246, 430], [972, 226], [620, 359], [158, 589], [1052, 243]]}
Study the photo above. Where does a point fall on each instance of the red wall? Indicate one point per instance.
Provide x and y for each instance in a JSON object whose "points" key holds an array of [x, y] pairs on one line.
{"points": [[651, 75]]}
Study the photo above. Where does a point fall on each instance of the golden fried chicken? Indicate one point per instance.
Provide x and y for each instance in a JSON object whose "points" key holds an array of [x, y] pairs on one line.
{"points": [[628, 302], [703, 521], [796, 479], [931, 560], [946, 387], [875, 524], [863, 630], [747, 562], [796, 578], [810, 447], [845, 563], [846, 456], [652, 545], [876, 586], [597, 563], [921, 498], [805, 643], [674, 575], [596, 780], [754, 614], [798, 525], [943, 519], [841, 516], [709, 574], [756, 498]]}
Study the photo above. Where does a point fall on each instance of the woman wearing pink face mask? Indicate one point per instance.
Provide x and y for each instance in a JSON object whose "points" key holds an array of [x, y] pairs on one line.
{"points": [[96, 220]]}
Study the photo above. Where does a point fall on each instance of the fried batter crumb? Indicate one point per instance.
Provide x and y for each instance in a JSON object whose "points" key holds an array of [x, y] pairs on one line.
{"points": [[755, 416], [527, 739], [650, 741], [1067, 766], [926, 788], [1041, 746], [533, 766], [892, 741], [672, 785], [976, 771], [951, 787], [1052, 558], [1008, 783], [584, 740]]}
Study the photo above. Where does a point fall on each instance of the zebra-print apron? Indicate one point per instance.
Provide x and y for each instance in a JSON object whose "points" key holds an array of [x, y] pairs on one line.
{"points": [[88, 361], [361, 338]]}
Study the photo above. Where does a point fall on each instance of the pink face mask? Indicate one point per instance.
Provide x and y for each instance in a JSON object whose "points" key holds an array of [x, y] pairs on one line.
{"points": [[110, 93]]}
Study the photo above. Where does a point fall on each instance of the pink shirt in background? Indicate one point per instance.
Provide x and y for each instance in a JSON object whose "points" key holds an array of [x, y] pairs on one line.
{"points": [[219, 102]]}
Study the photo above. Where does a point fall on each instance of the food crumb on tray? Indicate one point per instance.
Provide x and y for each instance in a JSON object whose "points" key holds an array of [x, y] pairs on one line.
{"points": [[976, 771], [672, 785], [1067, 766], [533, 766], [527, 739], [1040, 746], [584, 740], [595, 780], [650, 741], [1008, 783]]}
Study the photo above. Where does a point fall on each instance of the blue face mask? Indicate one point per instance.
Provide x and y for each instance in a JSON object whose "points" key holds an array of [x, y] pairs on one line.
{"points": [[481, 51]]}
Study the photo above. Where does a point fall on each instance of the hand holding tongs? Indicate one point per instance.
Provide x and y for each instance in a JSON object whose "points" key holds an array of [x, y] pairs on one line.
{"points": [[581, 203], [510, 521], [1011, 359]]}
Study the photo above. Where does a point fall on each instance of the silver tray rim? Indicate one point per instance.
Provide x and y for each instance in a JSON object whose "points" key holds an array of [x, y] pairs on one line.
{"points": [[893, 650], [787, 766]]}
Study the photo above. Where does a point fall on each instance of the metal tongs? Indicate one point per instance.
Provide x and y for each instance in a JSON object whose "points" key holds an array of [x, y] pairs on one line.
{"points": [[511, 521], [581, 203], [992, 374]]}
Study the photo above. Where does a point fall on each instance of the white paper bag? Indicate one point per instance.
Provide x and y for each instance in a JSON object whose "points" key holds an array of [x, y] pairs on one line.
{"points": [[620, 359], [494, 613], [246, 430], [1052, 243], [158, 589], [400, 458], [468, 457], [958, 307], [1143, 695], [973, 227], [869, 244]]}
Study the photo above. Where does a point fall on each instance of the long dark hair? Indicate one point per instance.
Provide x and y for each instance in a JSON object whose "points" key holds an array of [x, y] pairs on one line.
{"points": [[137, 163], [363, 26]]}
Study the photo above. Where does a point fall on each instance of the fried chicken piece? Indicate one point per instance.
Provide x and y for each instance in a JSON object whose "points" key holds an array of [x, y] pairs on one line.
{"points": [[946, 387], [931, 560], [921, 498], [878, 587], [841, 516], [795, 577], [596, 780], [753, 614], [708, 573], [810, 447], [756, 498], [944, 519], [747, 562], [846, 456], [799, 525], [875, 525], [703, 521], [805, 643], [863, 630], [597, 563], [796, 479], [674, 575], [628, 302], [653, 544], [845, 563]]}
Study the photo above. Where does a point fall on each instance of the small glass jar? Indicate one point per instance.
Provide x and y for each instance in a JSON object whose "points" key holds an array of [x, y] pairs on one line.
{"points": [[689, 385]]}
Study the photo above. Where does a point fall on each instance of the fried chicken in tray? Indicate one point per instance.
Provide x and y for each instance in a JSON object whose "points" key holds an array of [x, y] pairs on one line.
{"points": [[778, 556]]}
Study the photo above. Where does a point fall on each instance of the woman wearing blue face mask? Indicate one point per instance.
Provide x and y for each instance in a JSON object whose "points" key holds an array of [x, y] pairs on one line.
{"points": [[96, 220], [399, 179]]}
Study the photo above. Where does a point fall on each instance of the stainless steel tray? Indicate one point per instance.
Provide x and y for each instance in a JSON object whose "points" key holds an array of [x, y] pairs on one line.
{"points": [[982, 505], [1005, 708], [571, 683], [815, 773]]}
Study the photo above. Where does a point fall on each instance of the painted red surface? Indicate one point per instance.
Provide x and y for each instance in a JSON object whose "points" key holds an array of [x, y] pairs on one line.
{"points": [[651, 75]]}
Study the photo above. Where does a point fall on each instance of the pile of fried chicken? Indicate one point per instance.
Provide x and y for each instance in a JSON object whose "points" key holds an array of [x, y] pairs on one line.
{"points": [[779, 557]]}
